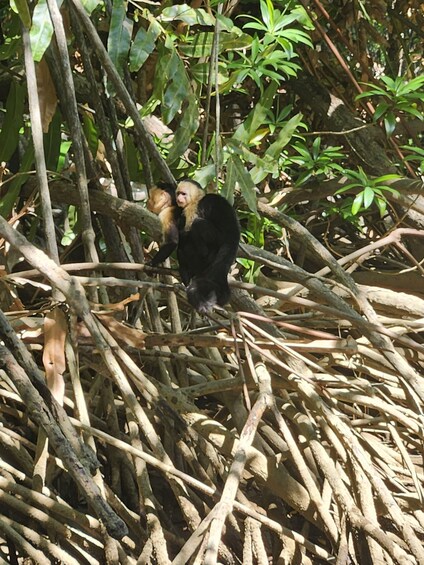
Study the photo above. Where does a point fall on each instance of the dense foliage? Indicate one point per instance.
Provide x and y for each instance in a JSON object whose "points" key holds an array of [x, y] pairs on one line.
{"points": [[286, 429]]}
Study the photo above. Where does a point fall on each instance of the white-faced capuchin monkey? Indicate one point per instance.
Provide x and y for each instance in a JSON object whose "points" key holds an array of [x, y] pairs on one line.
{"points": [[208, 235]]}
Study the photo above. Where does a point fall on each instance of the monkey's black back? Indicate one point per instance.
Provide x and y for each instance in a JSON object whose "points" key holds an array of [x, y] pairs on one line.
{"points": [[209, 247]]}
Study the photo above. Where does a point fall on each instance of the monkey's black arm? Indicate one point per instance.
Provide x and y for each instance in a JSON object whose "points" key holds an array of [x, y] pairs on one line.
{"points": [[164, 252], [169, 246]]}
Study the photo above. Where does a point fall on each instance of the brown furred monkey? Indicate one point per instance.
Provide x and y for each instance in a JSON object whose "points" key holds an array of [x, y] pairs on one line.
{"points": [[162, 203], [208, 236]]}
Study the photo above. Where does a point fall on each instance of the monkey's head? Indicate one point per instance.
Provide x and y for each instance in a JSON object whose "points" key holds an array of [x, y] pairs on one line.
{"points": [[188, 192], [160, 198]]}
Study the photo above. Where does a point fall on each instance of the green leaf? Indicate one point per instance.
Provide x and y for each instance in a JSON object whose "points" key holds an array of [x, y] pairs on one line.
{"points": [[380, 110], [226, 24], [390, 123], [268, 165], [414, 112], [131, 155], [200, 72], [359, 175], [387, 189], [90, 5], [303, 177], [165, 58], [267, 12], [385, 178], [189, 124], [374, 91], [13, 121], [177, 90], [239, 176], [263, 168], [41, 31], [414, 84], [417, 152], [187, 14], [382, 205], [258, 115], [119, 38], [201, 45], [70, 234], [21, 8], [52, 142], [295, 36], [392, 84], [230, 180], [254, 25], [357, 203], [347, 187], [284, 21], [316, 146], [368, 197], [90, 132], [205, 175], [143, 46], [303, 18], [65, 146]]}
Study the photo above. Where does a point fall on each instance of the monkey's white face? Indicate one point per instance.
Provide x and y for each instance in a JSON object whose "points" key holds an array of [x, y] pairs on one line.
{"points": [[182, 200], [184, 194]]}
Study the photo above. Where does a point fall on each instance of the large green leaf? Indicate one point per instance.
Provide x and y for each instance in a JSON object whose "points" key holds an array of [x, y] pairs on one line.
{"points": [[357, 203], [268, 165], [65, 147], [90, 132], [200, 72], [368, 196], [187, 14], [143, 46], [205, 175], [187, 128], [230, 181], [163, 70], [201, 44], [120, 32], [21, 8], [41, 31], [131, 155], [257, 117], [284, 136], [13, 121], [177, 90], [238, 175]]}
